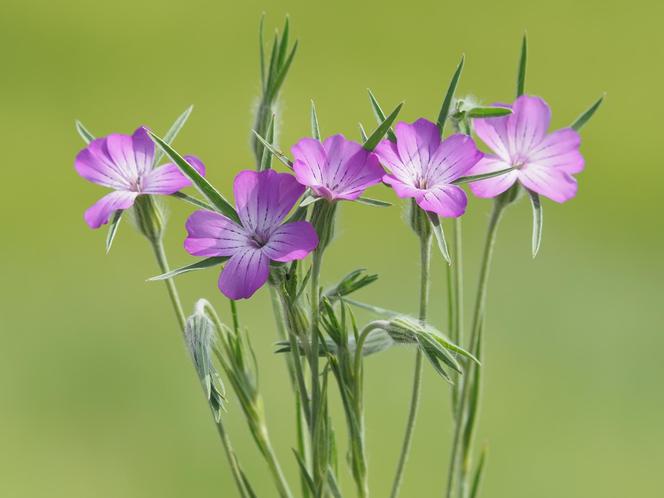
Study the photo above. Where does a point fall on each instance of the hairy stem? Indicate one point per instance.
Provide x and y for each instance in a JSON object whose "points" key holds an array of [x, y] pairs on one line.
{"points": [[425, 258], [480, 302], [160, 254]]}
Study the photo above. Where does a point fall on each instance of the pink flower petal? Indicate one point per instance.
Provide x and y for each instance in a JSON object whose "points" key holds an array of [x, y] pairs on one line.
{"points": [[94, 164], [143, 148], [388, 154], [417, 142], [560, 150], [527, 126], [168, 179], [492, 187], [263, 199], [549, 182], [402, 189], [244, 273], [446, 200], [310, 161], [291, 241], [455, 156], [99, 213], [493, 132], [211, 234]]}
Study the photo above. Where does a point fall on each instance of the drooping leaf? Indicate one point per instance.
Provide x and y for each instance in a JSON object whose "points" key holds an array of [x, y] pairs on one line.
{"points": [[489, 112], [449, 95], [380, 115], [205, 187], [173, 131], [192, 200], [273, 150], [377, 135], [538, 220], [315, 129], [521, 73], [438, 232], [483, 176], [372, 202], [350, 283], [585, 116], [477, 479], [370, 307], [198, 265], [83, 131], [113, 228]]}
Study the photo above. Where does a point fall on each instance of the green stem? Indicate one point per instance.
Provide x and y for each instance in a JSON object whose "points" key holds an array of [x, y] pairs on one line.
{"points": [[160, 254], [480, 303], [234, 315], [425, 257], [457, 291], [319, 467], [232, 460]]}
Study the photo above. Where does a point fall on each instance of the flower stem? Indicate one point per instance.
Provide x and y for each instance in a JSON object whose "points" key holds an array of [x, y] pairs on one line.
{"points": [[160, 254], [319, 468], [232, 460], [425, 258], [456, 298], [480, 303]]}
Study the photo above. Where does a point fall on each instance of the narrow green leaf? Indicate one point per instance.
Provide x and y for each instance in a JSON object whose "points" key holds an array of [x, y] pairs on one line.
{"points": [[283, 44], [372, 202], [440, 352], [380, 115], [433, 359], [537, 220], [272, 68], [273, 150], [281, 75], [261, 49], [370, 307], [266, 158], [489, 112], [205, 187], [363, 133], [585, 116], [250, 491], [377, 135], [309, 199], [477, 480], [173, 131], [332, 484], [483, 176], [521, 73], [447, 101], [453, 347], [113, 228], [315, 129], [192, 200], [438, 232], [83, 131], [306, 477], [198, 265]]}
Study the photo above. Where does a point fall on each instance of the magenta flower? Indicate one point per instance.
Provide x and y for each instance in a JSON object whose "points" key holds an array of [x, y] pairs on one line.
{"points": [[543, 162], [124, 164], [335, 169], [423, 166], [263, 199]]}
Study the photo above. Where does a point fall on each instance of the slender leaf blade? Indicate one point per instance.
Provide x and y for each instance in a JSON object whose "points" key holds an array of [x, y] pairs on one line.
{"points": [[489, 112], [261, 49], [205, 187], [438, 232], [380, 115], [83, 132], [377, 135], [266, 158], [198, 265], [315, 129], [363, 133], [192, 200], [483, 176], [372, 202], [538, 221], [273, 150], [113, 228], [587, 114], [172, 132], [477, 479], [521, 73], [449, 96]]}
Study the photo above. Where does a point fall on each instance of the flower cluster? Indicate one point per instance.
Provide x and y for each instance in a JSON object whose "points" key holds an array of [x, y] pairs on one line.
{"points": [[420, 164]]}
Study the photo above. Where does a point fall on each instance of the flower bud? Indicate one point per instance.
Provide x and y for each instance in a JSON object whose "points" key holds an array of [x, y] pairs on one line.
{"points": [[419, 221], [149, 217], [322, 219]]}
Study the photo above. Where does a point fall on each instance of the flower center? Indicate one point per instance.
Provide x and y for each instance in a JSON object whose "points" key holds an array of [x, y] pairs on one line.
{"points": [[259, 240]]}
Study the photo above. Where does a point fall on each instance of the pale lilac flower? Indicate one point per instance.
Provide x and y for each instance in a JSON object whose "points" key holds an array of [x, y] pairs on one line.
{"points": [[543, 162], [124, 164], [423, 166], [263, 199], [335, 169]]}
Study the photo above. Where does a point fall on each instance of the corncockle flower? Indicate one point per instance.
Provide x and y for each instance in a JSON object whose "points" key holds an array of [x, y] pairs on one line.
{"points": [[124, 164], [335, 169], [423, 166], [543, 162], [263, 199]]}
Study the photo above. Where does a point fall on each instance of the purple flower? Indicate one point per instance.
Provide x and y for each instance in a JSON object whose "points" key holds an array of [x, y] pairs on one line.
{"points": [[263, 199], [335, 169], [544, 162], [124, 164], [423, 166]]}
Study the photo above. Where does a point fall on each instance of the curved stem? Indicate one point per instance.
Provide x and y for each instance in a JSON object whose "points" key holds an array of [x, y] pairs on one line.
{"points": [[480, 303], [160, 254], [425, 257], [232, 460]]}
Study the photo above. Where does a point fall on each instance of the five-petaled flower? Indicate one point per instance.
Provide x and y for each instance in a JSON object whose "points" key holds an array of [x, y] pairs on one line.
{"points": [[423, 166], [543, 162], [125, 164], [335, 169], [263, 199]]}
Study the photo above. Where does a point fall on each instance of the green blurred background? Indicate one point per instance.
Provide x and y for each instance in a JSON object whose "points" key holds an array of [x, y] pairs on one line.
{"points": [[97, 395]]}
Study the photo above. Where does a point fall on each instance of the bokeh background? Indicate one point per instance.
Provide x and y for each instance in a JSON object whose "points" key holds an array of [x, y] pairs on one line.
{"points": [[97, 394]]}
